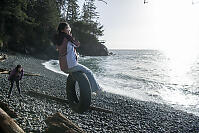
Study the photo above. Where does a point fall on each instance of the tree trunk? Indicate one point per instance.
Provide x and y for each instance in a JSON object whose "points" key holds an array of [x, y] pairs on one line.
{"points": [[2, 24], [7, 124]]}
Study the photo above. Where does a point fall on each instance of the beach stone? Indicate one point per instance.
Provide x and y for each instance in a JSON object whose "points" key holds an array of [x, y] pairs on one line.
{"points": [[134, 115]]}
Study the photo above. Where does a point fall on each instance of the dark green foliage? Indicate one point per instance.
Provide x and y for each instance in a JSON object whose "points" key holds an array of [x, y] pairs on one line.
{"points": [[89, 13], [72, 14], [90, 19], [46, 17], [29, 25], [13, 9]]}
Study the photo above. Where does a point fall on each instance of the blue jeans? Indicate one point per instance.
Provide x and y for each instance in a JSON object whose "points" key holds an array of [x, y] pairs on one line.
{"points": [[94, 85]]}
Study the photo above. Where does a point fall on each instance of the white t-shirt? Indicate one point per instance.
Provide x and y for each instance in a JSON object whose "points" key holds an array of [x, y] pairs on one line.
{"points": [[71, 55]]}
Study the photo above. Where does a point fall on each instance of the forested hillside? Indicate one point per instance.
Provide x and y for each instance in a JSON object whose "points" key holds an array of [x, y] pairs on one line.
{"points": [[28, 26]]}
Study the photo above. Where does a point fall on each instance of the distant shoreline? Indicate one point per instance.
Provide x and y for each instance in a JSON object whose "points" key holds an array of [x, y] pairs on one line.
{"points": [[135, 49]]}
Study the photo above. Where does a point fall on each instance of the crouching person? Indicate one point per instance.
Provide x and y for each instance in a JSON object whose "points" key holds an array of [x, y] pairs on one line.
{"points": [[15, 76]]}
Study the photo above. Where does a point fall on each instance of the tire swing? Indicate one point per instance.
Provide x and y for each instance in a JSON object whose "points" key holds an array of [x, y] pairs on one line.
{"points": [[78, 92]]}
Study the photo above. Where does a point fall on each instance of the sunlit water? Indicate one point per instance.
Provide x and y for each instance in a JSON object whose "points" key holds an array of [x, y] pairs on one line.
{"points": [[147, 75]]}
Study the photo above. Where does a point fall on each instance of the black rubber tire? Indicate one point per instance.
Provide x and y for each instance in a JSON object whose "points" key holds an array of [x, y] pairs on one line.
{"points": [[83, 103]]}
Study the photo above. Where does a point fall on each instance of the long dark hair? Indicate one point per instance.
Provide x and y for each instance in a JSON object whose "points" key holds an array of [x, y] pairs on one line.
{"points": [[17, 67], [59, 37]]}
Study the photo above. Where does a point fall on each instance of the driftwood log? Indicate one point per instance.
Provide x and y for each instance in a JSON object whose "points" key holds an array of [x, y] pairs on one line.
{"points": [[64, 101], [6, 108], [58, 123], [7, 124], [31, 74], [3, 57], [5, 71]]}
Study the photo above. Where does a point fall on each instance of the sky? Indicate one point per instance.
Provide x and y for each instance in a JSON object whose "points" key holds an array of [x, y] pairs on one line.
{"points": [[159, 24]]}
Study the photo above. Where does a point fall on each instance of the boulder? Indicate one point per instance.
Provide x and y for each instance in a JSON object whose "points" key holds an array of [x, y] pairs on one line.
{"points": [[93, 50]]}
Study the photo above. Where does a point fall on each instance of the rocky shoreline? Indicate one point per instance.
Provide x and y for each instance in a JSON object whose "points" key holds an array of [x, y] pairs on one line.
{"points": [[130, 115]]}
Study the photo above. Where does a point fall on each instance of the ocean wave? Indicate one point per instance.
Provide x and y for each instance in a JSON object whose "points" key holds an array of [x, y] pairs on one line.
{"points": [[143, 76], [53, 65]]}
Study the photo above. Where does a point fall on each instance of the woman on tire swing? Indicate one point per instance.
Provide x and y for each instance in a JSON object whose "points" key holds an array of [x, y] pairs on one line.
{"points": [[66, 46]]}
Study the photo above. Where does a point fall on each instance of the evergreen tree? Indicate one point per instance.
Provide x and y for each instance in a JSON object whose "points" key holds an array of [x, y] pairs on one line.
{"points": [[12, 12], [72, 14], [62, 6], [90, 19], [46, 15], [30, 24], [89, 14]]}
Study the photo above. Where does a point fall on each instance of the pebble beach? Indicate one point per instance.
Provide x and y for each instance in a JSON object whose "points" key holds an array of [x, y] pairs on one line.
{"points": [[131, 115]]}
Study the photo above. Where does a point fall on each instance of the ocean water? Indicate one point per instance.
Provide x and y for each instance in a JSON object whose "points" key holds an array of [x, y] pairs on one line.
{"points": [[147, 75]]}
